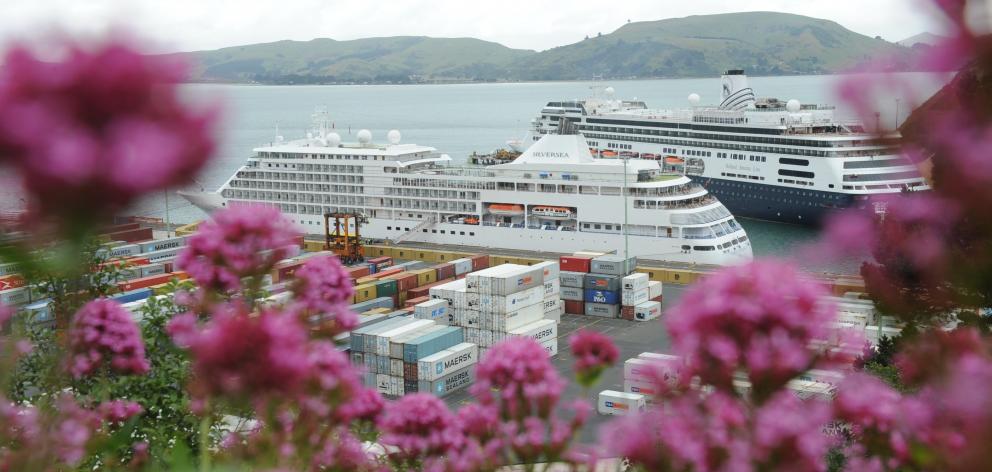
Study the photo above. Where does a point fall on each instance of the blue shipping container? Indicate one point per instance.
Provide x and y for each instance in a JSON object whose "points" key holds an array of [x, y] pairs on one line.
{"points": [[602, 296], [432, 343], [133, 295]]}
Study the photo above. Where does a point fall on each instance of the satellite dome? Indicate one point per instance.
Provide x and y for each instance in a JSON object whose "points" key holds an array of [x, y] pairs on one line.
{"points": [[333, 139], [365, 136], [793, 105], [610, 91], [694, 98], [394, 136]]}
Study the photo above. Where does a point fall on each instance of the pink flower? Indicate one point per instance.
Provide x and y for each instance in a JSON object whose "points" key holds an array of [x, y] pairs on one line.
{"points": [[323, 287], [866, 402], [103, 331], [517, 377], [237, 354], [73, 431], [365, 405], [789, 432], [343, 451], [593, 352], [237, 242], [92, 131], [761, 317], [419, 425], [117, 411]]}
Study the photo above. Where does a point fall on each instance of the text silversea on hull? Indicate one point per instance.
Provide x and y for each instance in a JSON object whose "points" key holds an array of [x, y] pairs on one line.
{"points": [[762, 157], [554, 198]]}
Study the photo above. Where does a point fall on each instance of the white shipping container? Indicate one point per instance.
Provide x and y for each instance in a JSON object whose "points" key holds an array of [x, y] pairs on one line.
{"points": [[551, 345], [504, 279], [438, 365], [454, 292], [647, 311], [160, 244], [396, 367], [640, 369], [572, 279], [14, 296], [552, 304], [436, 309], [572, 293], [8, 268], [636, 281], [382, 383], [634, 297], [654, 289], [540, 331], [506, 303], [612, 402], [383, 339], [549, 269], [152, 269], [462, 266], [648, 389], [553, 315], [552, 288], [396, 385], [518, 318]]}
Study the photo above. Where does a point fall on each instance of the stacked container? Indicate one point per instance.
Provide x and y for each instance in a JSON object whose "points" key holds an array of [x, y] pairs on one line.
{"points": [[572, 283], [639, 373]]}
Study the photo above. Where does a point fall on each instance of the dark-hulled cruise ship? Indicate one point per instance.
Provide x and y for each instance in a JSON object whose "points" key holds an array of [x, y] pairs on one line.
{"points": [[763, 158]]}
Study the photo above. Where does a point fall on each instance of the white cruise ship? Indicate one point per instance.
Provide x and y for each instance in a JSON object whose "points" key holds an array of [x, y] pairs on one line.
{"points": [[555, 197], [762, 157]]}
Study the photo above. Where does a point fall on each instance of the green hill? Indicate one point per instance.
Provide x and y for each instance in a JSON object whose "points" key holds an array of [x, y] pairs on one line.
{"points": [[762, 43]]}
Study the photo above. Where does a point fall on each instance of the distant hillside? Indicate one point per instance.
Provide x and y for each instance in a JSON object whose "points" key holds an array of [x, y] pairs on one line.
{"points": [[762, 43], [926, 39]]}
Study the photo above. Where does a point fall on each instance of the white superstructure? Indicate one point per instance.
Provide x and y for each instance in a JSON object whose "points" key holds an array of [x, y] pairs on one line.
{"points": [[762, 157], [555, 197]]}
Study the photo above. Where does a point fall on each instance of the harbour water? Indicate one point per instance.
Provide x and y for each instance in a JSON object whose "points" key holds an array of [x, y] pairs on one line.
{"points": [[459, 119]]}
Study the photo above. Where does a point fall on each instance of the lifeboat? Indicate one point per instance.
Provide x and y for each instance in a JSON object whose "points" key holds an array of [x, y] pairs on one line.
{"points": [[506, 209], [674, 160], [648, 155], [609, 154], [552, 212], [628, 154], [471, 220], [593, 151]]}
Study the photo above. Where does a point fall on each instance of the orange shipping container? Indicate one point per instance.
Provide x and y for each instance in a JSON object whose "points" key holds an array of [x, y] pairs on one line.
{"points": [[11, 281], [387, 273], [415, 301], [145, 282], [131, 236], [358, 271], [425, 289], [404, 281]]}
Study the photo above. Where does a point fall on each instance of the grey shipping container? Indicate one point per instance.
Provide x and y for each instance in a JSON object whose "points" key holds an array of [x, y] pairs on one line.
{"points": [[602, 282], [571, 279], [450, 383], [613, 265], [381, 302], [602, 309], [160, 244], [410, 386], [357, 358], [382, 365], [396, 344], [572, 293], [432, 343], [359, 335], [370, 362]]}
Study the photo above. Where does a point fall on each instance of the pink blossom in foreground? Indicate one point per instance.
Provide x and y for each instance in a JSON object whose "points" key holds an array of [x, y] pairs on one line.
{"points": [[237, 242], [343, 451], [97, 128], [788, 432], [419, 425], [323, 288], [104, 333], [116, 411], [761, 318], [73, 430], [517, 377], [237, 354], [593, 352], [866, 402]]}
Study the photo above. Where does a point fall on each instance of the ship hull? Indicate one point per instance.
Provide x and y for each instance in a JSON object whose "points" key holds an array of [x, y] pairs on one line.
{"points": [[778, 204]]}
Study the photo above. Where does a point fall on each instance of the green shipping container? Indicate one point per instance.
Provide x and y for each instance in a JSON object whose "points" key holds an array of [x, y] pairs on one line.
{"points": [[385, 288]]}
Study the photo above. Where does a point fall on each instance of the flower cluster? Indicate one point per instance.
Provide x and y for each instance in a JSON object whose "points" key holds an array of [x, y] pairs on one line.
{"points": [[238, 242], [97, 128], [323, 289], [419, 425], [593, 352], [517, 378], [103, 332]]}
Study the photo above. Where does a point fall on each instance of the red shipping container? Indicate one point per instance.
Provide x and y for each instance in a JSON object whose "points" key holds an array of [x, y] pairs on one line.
{"points": [[575, 307], [284, 272], [658, 298], [415, 301], [387, 273], [145, 282], [404, 281], [480, 262], [425, 290], [410, 371], [357, 272], [11, 281], [575, 263], [445, 271], [137, 261], [131, 235], [627, 313]]}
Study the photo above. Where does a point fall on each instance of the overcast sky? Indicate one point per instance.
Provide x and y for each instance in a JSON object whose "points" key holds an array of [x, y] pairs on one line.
{"points": [[183, 25]]}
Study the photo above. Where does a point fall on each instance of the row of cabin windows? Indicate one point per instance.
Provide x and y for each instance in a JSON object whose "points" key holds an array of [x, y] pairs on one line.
{"points": [[744, 147], [434, 231]]}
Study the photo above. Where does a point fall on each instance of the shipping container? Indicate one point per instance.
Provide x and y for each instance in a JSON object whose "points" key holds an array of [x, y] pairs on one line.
{"points": [[603, 310], [121, 251], [633, 282], [654, 289], [647, 369], [575, 307], [550, 345], [512, 320], [504, 280], [398, 343], [433, 342], [572, 279], [385, 288], [363, 293], [396, 367], [146, 282], [159, 244], [552, 304], [553, 315], [162, 255], [612, 402], [445, 271], [410, 371], [131, 235], [132, 296], [453, 382], [462, 266], [647, 311], [380, 273], [438, 365], [550, 270], [11, 281], [383, 339], [404, 281], [434, 309], [15, 296], [151, 269], [601, 296], [412, 302], [575, 263], [381, 263], [356, 272], [540, 331], [613, 265], [634, 297], [359, 335], [602, 282], [381, 302], [552, 289], [572, 294], [38, 312], [505, 303], [455, 292], [627, 312], [648, 389], [425, 276], [8, 268], [479, 262]]}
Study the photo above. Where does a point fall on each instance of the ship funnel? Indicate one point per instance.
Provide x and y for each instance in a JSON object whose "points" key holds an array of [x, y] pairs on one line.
{"points": [[736, 94]]}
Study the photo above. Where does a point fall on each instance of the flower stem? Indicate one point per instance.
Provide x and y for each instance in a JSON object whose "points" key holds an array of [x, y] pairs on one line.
{"points": [[205, 443]]}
